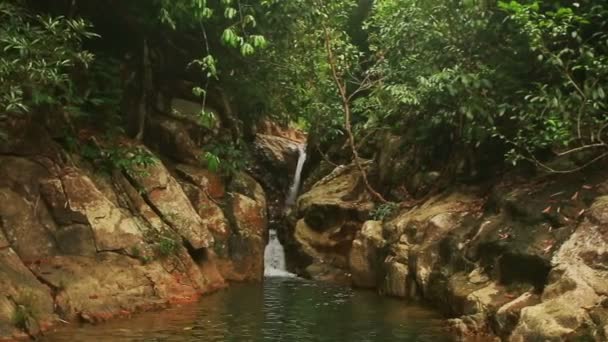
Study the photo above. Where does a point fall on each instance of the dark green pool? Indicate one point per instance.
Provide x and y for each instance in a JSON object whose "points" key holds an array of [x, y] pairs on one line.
{"points": [[282, 309]]}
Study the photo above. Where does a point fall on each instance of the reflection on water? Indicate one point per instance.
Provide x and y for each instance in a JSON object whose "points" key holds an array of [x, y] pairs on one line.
{"points": [[279, 310]]}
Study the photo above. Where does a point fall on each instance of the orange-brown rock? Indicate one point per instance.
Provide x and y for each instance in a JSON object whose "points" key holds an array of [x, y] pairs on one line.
{"points": [[76, 243], [268, 127], [164, 193]]}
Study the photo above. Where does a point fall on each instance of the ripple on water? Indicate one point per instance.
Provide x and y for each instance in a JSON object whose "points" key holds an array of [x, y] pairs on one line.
{"points": [[282, 309]]}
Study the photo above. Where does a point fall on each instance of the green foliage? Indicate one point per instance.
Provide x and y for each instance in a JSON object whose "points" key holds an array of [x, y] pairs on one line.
{"points": [[384, 211], [135, 251], [437, 75], [38, 53], [523, 79], [298, 82], [444, 81], [25, 310], [130, 159], [167, 246], [207, 64], [21, 316], [238, 19], [102, 92], [449, 81], [213, 161], [233, 25], [226, 158], [207, 118], [566, 108]]}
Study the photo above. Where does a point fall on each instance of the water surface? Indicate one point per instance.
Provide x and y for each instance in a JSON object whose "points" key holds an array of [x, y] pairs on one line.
{"points": [[281, 309]]}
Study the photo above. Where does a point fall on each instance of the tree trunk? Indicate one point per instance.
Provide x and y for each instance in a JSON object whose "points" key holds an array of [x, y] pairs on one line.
{"points": [[146, 90], [347, 116]]}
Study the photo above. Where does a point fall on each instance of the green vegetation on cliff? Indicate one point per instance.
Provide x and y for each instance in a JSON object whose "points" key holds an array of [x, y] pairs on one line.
{"points": [[468, 82]]}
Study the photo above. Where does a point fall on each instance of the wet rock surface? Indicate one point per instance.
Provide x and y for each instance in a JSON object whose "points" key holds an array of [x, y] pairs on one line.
{"points": [[77, 244], [328, 218], [521, 259]]}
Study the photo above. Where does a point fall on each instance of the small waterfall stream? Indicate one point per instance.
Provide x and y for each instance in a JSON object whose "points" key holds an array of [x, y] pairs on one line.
{"points": [[295, 186], [274, 258], [274, 254]]}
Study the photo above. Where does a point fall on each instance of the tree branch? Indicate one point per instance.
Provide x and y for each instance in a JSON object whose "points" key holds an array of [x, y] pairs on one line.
{"points": [[552, 170], [347, 114]]}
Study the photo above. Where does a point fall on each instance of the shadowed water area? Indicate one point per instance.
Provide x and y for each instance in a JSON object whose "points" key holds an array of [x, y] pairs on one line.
{"points": [[281, 309]]}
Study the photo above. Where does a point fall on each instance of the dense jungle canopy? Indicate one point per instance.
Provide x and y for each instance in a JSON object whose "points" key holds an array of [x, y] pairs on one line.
{"points": [[476, 85]]}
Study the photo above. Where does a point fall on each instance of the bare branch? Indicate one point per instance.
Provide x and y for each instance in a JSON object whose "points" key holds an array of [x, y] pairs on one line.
{"points": [[600, 132], [347, 114], [552, 170], [581, 148]]}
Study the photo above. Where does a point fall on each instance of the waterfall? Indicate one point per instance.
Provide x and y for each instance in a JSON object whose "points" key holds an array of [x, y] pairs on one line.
{"points": [[295, 186], [274, 258], [274, 254]]}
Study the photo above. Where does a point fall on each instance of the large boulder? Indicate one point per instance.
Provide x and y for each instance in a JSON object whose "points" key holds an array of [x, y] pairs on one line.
{"points": [[268, 127], [78, 244], [246, 245], [419, 238], [167, 198], [26, 305], [281, 154], [110, 285], [329, 216], [398, 281], [578, 284], [324, 247], [364, 255], [341, 190], [517, 264], [24, 218], [173, 137], [514, 260], [209, 182], [81, 208]]}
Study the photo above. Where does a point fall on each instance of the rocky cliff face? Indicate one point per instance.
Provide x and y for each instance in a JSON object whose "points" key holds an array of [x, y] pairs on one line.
{"points": [[80, 244], [522, 259]]}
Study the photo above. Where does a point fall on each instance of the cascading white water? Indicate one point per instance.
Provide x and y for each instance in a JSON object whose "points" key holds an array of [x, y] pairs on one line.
{"points": [[274, 258], [274, 254], [295, 186]]}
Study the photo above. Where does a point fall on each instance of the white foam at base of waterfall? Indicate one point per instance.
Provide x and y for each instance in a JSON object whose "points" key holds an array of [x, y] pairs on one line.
{"points": [[274, 258]]}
